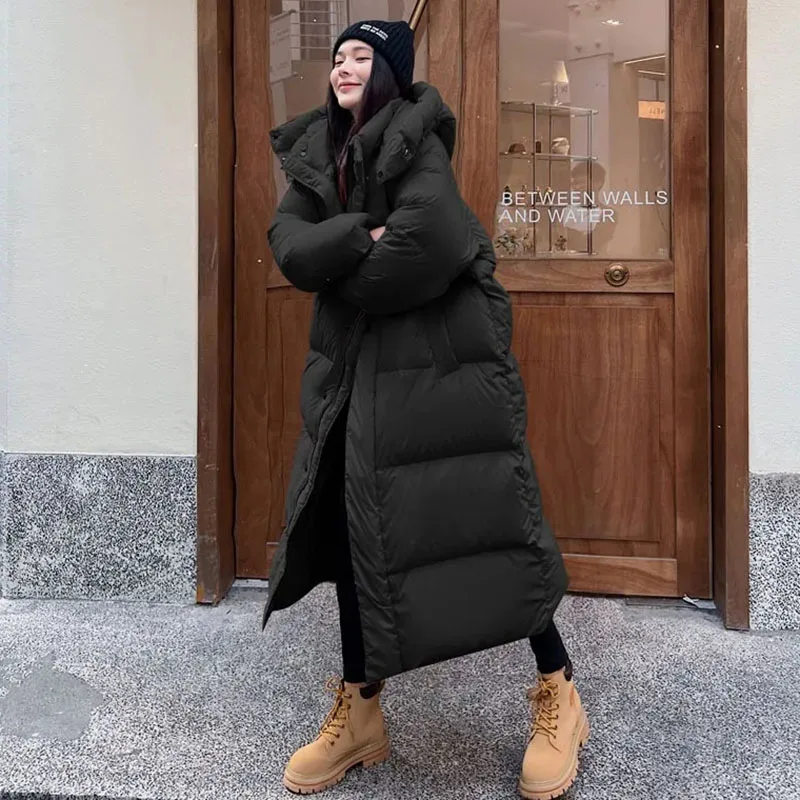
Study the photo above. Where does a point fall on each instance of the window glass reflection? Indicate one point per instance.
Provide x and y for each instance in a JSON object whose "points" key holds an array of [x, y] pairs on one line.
{"points": [[584, 129]]}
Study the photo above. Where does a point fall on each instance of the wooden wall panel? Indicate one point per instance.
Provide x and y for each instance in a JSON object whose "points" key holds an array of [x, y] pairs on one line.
{"points": [[596, 396], [612, 547], [651, 577]]}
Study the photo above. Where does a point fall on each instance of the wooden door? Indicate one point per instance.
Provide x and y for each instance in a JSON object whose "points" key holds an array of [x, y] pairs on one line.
{"points": [[610, 310], [611, 318]]}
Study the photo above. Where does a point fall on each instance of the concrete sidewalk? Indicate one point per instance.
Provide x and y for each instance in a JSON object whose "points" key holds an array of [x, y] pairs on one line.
{"points": [[115, 700]]}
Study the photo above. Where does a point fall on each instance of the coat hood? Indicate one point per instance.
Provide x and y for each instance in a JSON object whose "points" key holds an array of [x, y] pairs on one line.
{"points": [[392, 136]]}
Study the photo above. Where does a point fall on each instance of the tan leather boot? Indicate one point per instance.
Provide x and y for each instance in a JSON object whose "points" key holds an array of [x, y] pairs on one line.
{"points": [[353, 733], [559, 729]]}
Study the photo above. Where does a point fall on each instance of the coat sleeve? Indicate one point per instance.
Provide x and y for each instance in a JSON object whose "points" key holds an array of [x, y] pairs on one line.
{"points": [[313, 253], [427, 243]]}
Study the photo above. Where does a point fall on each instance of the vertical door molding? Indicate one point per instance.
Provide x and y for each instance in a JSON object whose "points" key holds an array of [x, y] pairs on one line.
{"points": [[480, 112], [460, 57], [445, 57], [729, 369], [215, 492], [254, 203], [690, 226]]}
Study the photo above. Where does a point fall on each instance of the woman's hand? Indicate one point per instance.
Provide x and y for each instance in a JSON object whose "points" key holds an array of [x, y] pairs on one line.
{"points": [[376, 233]]}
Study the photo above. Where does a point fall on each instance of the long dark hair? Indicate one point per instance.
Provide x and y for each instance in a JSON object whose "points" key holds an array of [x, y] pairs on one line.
{"points": [[381, 89]]}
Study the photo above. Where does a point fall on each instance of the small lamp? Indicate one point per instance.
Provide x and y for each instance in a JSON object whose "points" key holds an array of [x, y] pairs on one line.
{"points": [[560, 81]]}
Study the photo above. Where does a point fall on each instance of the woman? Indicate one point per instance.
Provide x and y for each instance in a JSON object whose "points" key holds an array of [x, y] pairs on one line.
{"points": [[412, 488]]}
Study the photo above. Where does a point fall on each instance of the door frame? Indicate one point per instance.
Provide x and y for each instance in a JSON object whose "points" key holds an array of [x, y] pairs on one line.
{"points": [[727, 93], [216, 159], [730, 428]]}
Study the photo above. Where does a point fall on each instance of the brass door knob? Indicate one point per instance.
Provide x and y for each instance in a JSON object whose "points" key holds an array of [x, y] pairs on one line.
{"points": [[617, 275]]}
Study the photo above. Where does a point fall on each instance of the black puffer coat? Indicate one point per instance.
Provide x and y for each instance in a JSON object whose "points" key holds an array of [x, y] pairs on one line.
{"points": [[411, 335]]}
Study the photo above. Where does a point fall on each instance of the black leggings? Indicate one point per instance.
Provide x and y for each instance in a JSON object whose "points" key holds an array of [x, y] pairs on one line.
{"points": [[551, 655]]}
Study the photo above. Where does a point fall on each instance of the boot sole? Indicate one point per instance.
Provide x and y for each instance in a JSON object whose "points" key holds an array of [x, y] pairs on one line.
{"points": [[551, 792], [367, 757]]}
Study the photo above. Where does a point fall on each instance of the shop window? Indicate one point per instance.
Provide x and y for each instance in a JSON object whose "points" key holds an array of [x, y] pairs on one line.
{"points": [[584, 129]]}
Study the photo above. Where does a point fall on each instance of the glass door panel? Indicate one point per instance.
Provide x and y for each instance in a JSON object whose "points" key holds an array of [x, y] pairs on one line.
{"points": [[584, 130]]}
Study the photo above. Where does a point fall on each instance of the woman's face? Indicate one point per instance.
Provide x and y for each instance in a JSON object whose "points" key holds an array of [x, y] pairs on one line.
{"points": [[352, 66]]}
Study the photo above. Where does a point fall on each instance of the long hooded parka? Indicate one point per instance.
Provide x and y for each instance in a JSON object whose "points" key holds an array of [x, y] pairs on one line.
{"points": [[410, 339]]}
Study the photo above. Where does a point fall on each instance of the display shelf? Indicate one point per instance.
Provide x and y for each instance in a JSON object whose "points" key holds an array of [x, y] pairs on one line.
{"points": [[545, 128], [561, 254], [544, 108], [547, 157]]}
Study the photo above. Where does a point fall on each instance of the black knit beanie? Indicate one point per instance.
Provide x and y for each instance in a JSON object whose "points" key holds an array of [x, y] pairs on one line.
{"points": [[393, 40]]}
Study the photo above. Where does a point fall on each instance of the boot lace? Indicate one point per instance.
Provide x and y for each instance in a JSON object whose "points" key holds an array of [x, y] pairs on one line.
{"points": [[544, 700], [332, 726]]}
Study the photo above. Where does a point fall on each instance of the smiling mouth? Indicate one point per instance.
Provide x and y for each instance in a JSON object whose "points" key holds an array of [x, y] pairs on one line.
{"points": [[348, 86]]}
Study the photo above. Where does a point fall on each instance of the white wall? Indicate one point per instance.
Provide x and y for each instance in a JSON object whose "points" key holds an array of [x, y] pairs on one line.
{"points": [[3, 223], [774, 235], [102, 225]]}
